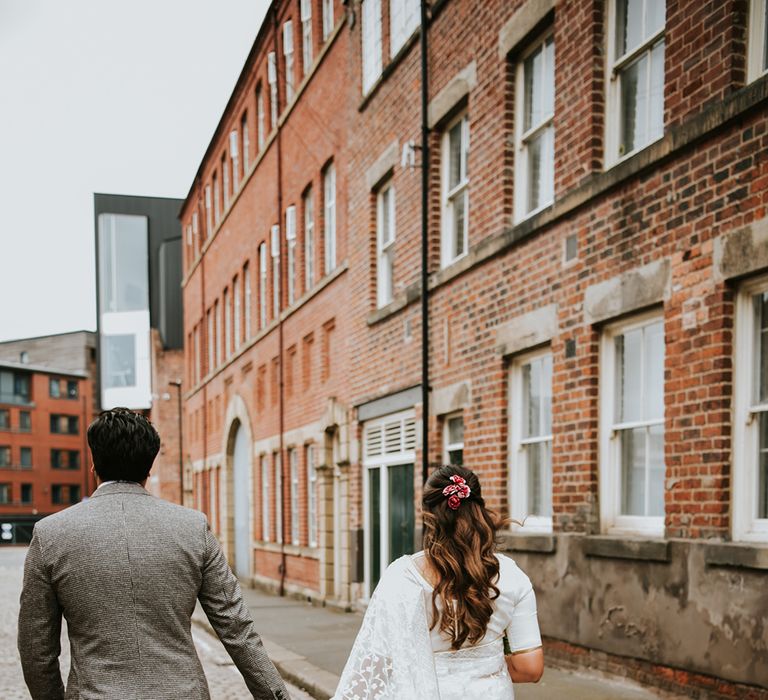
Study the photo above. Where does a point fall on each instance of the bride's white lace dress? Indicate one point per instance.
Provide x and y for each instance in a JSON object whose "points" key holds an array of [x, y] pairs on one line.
{"points": [[396, 655]]}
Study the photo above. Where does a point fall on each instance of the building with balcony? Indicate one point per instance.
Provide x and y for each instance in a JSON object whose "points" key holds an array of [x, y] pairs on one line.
{"points": [[44, 413], [595, 224]]}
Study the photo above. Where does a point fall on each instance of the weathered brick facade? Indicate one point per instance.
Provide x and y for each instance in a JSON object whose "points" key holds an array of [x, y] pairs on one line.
{"points": [[675, 229]]}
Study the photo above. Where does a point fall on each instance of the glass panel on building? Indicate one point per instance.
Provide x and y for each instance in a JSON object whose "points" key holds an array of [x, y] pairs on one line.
{"points": [[119, 356], [123, 263]]}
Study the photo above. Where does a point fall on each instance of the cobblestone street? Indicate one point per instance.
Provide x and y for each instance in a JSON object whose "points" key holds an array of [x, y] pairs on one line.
{"points": [[223, 678]]}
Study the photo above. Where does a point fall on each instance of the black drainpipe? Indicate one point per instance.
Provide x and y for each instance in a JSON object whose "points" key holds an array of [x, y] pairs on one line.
{"points": [[424, 248], [281, 524]]}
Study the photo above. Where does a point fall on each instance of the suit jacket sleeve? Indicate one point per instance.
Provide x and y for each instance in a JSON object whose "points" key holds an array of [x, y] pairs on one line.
{"points": [[39, 637], [222, 601]]}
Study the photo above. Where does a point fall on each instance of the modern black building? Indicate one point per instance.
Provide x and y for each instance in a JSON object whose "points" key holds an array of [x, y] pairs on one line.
{"points": [[138, 287]]}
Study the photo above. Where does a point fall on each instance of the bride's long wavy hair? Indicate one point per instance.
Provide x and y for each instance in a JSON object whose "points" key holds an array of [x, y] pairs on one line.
{"points": [[459, 547]]}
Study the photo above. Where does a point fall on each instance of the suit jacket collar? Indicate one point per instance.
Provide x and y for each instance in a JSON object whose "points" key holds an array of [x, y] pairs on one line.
{"points": [[120, 487]]}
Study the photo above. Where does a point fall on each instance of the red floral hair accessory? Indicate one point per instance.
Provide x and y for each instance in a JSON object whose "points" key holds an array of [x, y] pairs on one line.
{"points": [[456, 491]]}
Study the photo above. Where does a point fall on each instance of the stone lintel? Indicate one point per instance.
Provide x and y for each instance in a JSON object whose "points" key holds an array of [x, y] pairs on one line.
{"points": [[456, 90], [451, 398], [629, 291], [741, 252], [527, 330], [384, 164], [517, 28]]}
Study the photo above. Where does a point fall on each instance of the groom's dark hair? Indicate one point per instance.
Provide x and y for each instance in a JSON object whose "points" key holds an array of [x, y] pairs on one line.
{"points": [[123, 445]]}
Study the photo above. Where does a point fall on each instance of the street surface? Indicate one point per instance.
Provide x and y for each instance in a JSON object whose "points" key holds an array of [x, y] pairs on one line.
{"points": [[224, 679]]}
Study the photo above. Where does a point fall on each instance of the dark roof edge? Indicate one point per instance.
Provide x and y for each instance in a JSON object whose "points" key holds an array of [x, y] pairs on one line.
{"points": [[46, 335]]}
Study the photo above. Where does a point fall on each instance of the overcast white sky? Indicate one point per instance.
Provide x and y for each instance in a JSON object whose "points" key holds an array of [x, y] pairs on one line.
{"points": [[118, 96]]}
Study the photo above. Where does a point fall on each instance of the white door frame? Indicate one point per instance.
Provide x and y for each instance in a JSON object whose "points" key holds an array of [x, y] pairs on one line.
{"points": [[382, 462]]}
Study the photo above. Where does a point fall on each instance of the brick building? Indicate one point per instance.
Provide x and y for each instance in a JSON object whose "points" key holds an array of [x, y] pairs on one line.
{"points": [[46, 404], [598, 270]]}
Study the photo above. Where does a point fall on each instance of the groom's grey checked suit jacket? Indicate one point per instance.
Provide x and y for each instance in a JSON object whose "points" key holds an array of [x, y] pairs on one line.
{"points": [[125, 570]]}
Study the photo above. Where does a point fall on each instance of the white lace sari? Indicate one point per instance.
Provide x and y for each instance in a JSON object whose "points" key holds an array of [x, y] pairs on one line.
{"points": [[392, 655], [395, 658]]}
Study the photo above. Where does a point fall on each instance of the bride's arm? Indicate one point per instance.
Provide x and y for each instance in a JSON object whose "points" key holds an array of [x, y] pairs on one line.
{"points": [[527, 666]]}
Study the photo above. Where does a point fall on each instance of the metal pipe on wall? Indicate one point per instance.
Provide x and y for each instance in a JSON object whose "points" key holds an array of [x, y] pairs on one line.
{"points": [[281, 276]]}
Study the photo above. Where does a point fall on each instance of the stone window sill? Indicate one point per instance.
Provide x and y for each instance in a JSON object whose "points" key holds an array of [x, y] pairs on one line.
{"points": [[626, 548], [742, 556], [539, 544], [290, 549]]}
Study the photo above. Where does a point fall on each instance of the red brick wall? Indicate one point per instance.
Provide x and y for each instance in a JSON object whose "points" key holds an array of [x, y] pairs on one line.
{"points": [[666, 204]]}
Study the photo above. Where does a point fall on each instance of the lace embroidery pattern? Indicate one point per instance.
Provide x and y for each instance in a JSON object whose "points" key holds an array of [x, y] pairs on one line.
{"points": [[392, 658]]}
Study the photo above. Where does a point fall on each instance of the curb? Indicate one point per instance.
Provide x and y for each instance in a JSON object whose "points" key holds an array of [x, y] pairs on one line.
{"points": [[318, 682]]}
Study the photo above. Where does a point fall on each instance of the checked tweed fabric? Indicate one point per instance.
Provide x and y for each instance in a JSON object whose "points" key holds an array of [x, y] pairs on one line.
{"points": [[125, 569]]}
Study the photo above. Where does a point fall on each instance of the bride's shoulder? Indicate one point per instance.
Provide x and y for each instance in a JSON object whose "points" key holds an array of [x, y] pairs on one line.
{"points": [[511, 576]]}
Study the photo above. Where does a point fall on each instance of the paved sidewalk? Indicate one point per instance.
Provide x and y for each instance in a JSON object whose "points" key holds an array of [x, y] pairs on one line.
{"points": [[309, 645]]}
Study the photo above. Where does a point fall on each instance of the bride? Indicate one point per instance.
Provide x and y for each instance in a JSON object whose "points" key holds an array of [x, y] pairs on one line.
{"points": [[436, 625]]}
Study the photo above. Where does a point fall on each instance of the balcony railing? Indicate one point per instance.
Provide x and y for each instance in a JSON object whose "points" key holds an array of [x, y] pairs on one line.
{"points": [[15, 399]]}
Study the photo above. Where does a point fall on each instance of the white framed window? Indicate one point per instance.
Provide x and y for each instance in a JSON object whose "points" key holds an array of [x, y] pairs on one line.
{"points": [[309, 241], [237, 311], [262, 285], [211, 338], [208, 212], [290, 244], [265, 529], [535, 131], [278, 497], [234, 155], [272, 80], [293, 463], [195, 229], [227, 325], [750, 416], [635, 105], [198, 356], [225, 180], [757, 53], [309, 451], [216, 199], [275, 270], [632, 468], [246, 142], [217, 341], [306, 35], [260, 128], [329, 216], [371, 33], [530, 431], [385, 245], [288, 55], [388, 454], [455, 191], [247, 299], [404, 18], [327, 18], [453, 440]]}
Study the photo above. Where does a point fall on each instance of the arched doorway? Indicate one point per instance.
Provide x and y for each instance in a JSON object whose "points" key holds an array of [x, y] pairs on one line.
{"points": [[241, 472]]}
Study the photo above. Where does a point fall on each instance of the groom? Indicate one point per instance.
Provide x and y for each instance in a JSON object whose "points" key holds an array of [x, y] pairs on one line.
{"points": [[125, 570]]}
